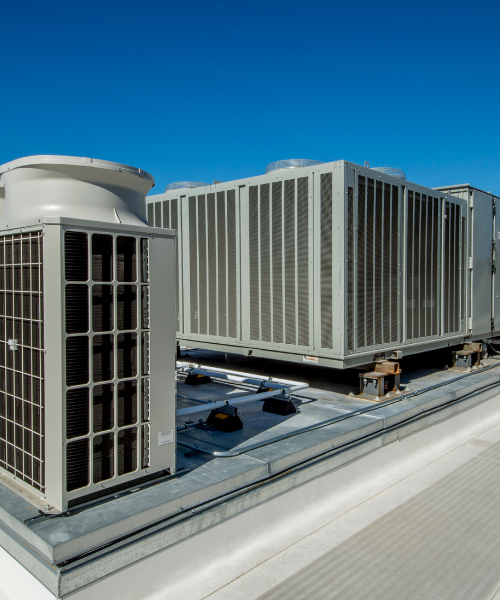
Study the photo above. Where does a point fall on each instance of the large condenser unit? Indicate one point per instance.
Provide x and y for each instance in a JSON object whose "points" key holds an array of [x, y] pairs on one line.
{"points": [[87, 365], [332, 264]]}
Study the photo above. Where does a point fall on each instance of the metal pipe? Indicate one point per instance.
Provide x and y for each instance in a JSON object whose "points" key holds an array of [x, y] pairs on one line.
{"points": [[333, 420], [236, 376], [192, 410]]}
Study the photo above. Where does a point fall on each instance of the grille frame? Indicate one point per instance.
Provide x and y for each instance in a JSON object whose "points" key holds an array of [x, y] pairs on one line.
{"points": [[107, 351]]}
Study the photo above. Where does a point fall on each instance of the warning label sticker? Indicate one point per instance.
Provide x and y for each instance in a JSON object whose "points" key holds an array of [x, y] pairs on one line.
{"points": [[310, 359], [165, 437]]}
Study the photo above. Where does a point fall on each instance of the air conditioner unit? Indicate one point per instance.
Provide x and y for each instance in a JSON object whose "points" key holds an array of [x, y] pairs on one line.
{"points": [[87, 340], [331, 264]]}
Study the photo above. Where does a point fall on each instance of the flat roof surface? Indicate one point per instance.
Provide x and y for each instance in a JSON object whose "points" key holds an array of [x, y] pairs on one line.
{"points": [[89, 532]]}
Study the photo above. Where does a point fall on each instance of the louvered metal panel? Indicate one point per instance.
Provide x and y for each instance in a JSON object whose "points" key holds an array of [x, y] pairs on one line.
{"points": [[166, 214], [253, 199], [290, 237], [303, 261], [221, 265], [151, 214], [361, 264], [265, 264], [232, 325], [158, 214], [351, 230], [212, 265], [277, 260], [326, 261], [202, 261], [193, 265]]}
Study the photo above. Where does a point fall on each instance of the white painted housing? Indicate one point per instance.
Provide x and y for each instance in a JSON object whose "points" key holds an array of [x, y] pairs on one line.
{"points": [[87, 295]]}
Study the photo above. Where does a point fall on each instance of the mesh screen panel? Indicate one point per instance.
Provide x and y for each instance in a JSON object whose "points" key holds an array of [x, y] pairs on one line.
{"points": [[106, 386], [22, 404]]}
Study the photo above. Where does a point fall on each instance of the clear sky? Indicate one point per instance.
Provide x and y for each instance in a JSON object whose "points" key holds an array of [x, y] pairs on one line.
{"points": [[197, 90]]}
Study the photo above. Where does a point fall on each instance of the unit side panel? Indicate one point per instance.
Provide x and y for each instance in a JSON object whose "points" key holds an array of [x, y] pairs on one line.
{"points": [[55, 417], [161, 418], [482, 244], [496, 275]]}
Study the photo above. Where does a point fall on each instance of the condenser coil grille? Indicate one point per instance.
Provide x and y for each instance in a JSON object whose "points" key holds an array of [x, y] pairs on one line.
{"points": [[212, 260], [22, 358], [107, 356], [375, 243], [422, 265], [279, 262]]}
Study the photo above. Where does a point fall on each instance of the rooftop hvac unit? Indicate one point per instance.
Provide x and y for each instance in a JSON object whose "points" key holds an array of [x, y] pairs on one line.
{"points": [[332, 264], [87, 398]]}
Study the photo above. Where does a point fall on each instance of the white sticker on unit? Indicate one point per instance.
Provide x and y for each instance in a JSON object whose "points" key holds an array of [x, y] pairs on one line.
{"points": [[313, 359], [165, 437], [498, 235]]}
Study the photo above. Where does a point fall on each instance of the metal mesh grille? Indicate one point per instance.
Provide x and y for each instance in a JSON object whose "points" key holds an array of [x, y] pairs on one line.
{"points": [[326, 261], [212, 263], [231, 265], [166, 214], [451, 259], [394, 268], [21, 362], [253, 198], [290, 262], [105, 384], [151, 214], [303, 261], [202, 241], [422, 269], [361, 264], [265, 264], [221, 264], [279, 262], [173, 224], [158, 214], [350, 268], [374, 273], [193, 265]]}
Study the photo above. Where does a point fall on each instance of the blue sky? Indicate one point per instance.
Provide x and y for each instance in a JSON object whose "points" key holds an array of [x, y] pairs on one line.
{"points": [[216, 90]]}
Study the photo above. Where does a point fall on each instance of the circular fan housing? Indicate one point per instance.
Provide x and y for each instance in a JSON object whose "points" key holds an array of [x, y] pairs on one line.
{"points": [[180, 185], [399, 173], [292, 163]]}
